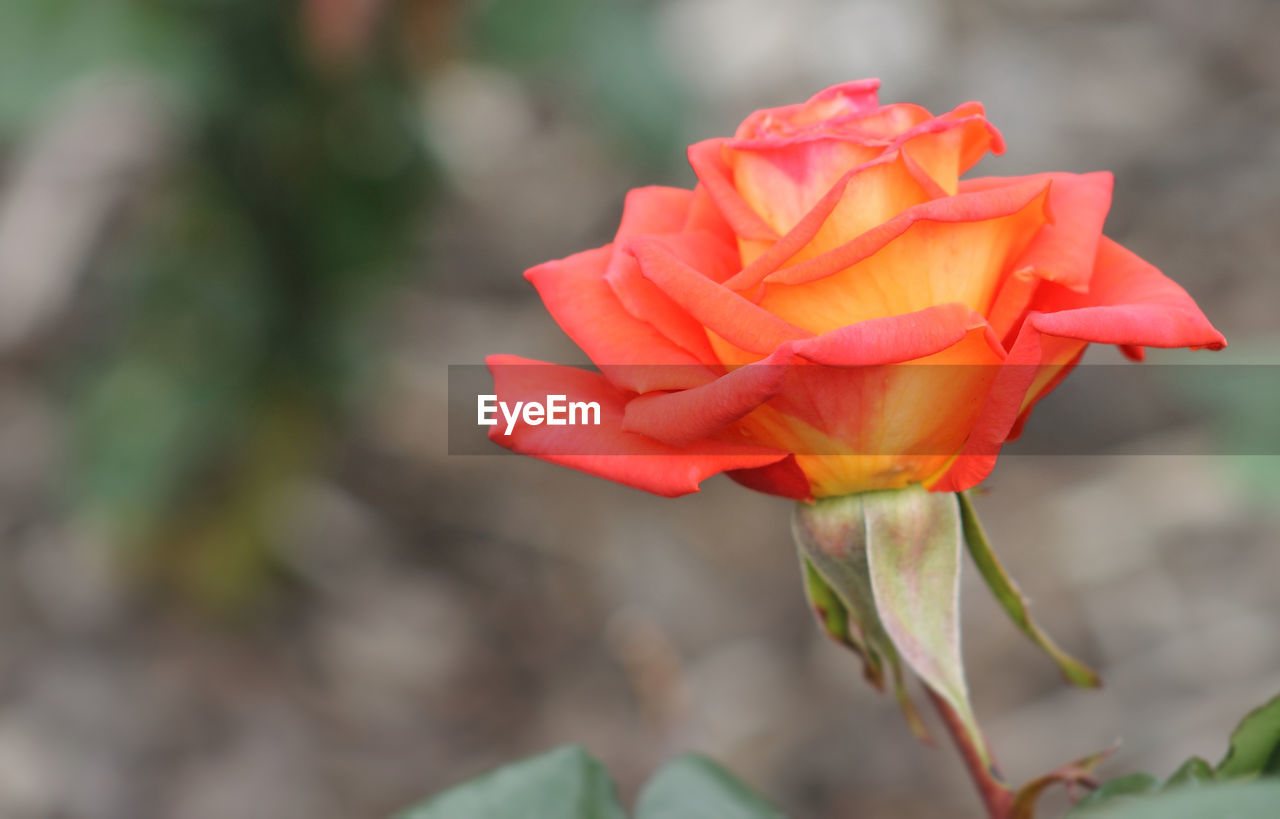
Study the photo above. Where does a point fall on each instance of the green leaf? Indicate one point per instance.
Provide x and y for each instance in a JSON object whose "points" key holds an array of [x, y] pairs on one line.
{"points": [[1195, 771], [1255, 744], [1122, 786], [1254, 751], [913, 559], [1235, 800], [47, 45], [1012, 599], [831, 535], [567, 783], [694, 787]]}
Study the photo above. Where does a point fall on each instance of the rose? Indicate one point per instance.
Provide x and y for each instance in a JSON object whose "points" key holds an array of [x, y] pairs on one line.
{"points": [[762, 324]]}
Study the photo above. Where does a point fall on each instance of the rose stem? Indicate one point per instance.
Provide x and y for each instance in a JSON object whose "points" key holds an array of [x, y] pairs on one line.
{"points": [[995, 794]]}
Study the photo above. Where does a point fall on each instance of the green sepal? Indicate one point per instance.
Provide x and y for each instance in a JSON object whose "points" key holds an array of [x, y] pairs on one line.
{"points": [[913, 559], [833, 616], [1012, 600], [830, 536]]}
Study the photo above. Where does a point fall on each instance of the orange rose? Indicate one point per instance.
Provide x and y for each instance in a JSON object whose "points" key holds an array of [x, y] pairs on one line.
{"points": [[756, 325]]}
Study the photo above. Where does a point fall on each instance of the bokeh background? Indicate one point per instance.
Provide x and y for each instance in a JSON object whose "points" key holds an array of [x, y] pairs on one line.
{"points": [[240, 242]]}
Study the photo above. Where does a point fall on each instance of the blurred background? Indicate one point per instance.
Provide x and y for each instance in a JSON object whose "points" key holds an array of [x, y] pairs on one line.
{"points": [[240, 242]]}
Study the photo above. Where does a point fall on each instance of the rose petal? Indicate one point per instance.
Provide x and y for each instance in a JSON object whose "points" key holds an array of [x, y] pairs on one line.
{"points": [[626, 349], [894, 339], [782, 179], [642, 299], [783, 183], [947, 250], [606, 450], [717, 308], [654, 209], [855, 429], [715, 176], [863, 198], [665, 211], [1065, 249], [835, 103], [1059, 356], [784, 478], [947, 146], [681, 417], [705, 216], [1129, 303]]}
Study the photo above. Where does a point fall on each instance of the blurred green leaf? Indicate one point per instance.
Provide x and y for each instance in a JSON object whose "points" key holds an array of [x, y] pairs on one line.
{"points": [[608, 53], [1254, 752], [1127, 785], [694, 787], [567, 783], [46, 45], [1194, 771], [235, 323], [1237, 800], [1255, 744]]}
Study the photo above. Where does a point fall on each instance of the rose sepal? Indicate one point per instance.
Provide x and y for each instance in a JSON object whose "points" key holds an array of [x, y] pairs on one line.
{"points": [[890, 559], [1011, 599]]}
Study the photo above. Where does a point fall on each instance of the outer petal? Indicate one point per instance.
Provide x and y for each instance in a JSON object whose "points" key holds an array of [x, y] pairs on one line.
{"points": [[664, 211], [626, 349], [895, 339], [646, 302], [606, 450], [716, 178], [784, 478], [855, 429], [681, 417], [654, 209], [705, 216], [1129, 303], [1063, 251]]}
